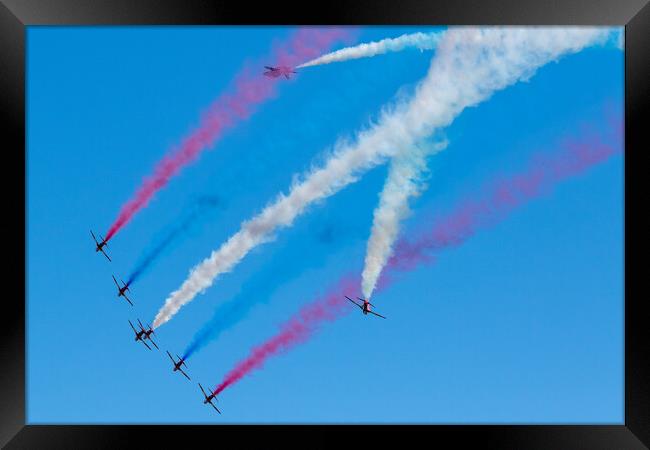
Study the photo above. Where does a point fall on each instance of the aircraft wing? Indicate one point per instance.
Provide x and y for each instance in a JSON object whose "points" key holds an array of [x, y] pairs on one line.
{"points": [[145, 344], [286, 75], [127, 299], [116, 283], [354, 302], [94, 238], [170, 357], [181, 370], [270, 68], [106, 255], [155, 345], [217, 409], [132, 327], [372, 312], [201, 388]]}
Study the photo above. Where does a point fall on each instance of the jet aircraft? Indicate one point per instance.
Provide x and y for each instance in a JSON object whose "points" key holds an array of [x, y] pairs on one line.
{"points": [[178, 364], [275, 72], [147, 333], [209, 398], [365, 307], [121, 290], [139, 334], [100, 245]]}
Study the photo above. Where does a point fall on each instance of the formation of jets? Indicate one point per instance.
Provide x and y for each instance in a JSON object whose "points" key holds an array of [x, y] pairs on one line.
{"points": [[143, 334]]}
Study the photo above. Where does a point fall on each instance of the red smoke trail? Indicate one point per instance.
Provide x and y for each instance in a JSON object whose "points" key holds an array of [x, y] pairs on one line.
{"points": [[250, 88], [502, 197], [297, 330]]}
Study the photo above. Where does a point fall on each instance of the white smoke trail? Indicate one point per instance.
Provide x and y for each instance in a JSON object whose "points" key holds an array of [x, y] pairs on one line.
{"points": [[423, 41], [405, 180], [470, 65]]}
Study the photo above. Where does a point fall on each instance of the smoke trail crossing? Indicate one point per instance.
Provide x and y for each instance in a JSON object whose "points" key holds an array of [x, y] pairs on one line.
{"points": [[405, 180], [505, 195], [470, 65], [422, 41], [249, 90]]}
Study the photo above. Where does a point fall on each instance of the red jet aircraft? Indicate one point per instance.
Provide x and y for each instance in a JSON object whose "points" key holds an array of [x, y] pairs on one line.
{"points": [[365, 307], [122, 289], [209, 398], [100, 245], [275, 72], [148, 333], [177, 365], [139, 334]]}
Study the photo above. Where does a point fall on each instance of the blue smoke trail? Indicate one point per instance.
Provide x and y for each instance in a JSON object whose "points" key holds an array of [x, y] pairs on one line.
{"points": [[201, 206], [226, 315]]}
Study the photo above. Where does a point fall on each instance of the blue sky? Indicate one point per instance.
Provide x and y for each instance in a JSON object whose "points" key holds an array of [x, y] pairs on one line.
{"points": [[522, 324]]}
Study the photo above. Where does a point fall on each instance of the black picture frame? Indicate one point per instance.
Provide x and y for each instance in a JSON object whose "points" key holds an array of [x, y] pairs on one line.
{"points": [[15, 15]]}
